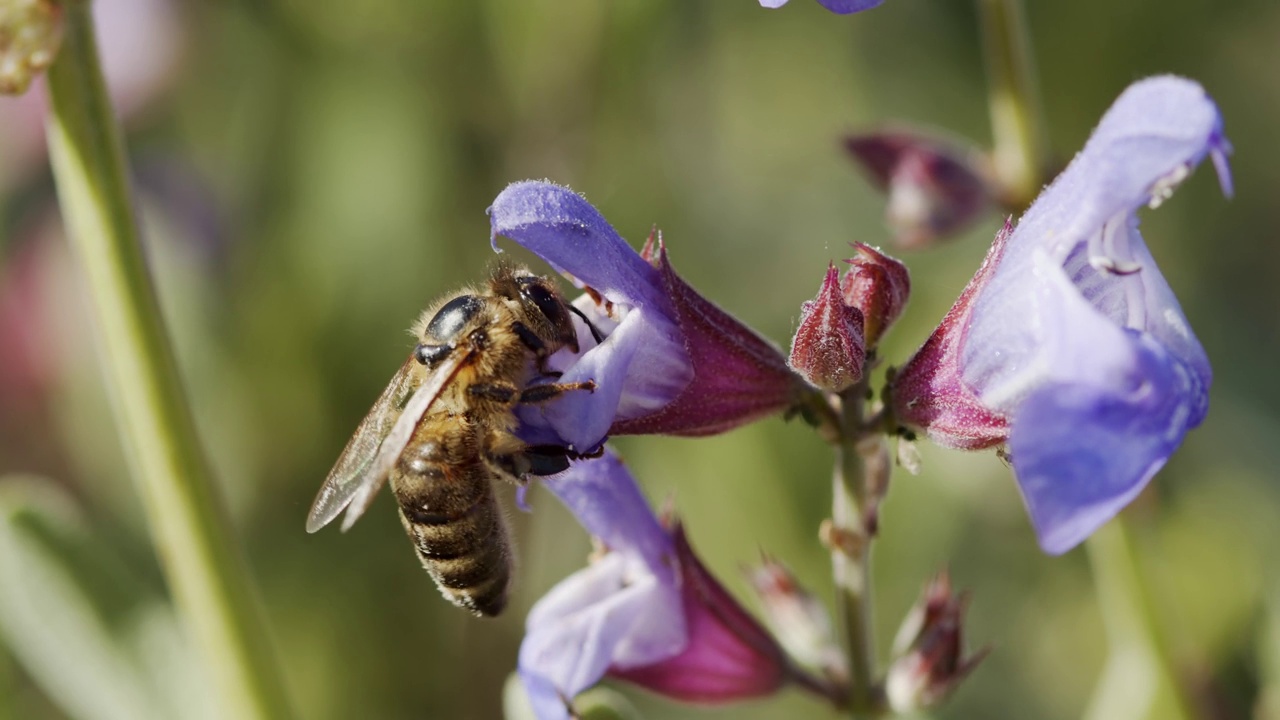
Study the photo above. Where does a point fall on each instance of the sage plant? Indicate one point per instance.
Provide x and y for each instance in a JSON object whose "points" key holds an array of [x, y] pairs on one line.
{"points": [[1068, 351]]}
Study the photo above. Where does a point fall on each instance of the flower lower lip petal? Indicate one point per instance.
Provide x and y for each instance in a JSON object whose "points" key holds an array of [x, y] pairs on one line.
{"points": [[1081, 452]]}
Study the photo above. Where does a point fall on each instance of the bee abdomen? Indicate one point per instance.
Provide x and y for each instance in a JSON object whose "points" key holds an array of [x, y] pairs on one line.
{"points": [[465, 549]]}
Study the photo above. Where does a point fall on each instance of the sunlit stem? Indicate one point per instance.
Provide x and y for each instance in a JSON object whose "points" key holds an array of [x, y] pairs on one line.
{"points": [[204, 569], [1021, 152], [849, 537], [1138, 648]]}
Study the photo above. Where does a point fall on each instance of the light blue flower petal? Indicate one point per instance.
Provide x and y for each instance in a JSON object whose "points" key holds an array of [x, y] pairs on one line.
{"points": [[562, 228], [846, 7], [639, 369], [623, 610], [1153, 134], [564, 654], [643, 364], [840, 7], [1083, 452], [604, 497], [1150, 138]]}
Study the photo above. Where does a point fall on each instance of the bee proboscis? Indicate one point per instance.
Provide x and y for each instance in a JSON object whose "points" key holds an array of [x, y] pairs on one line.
{"points": [[444, 429]]}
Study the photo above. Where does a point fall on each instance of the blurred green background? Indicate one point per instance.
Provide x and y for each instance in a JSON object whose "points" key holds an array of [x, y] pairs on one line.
{"points": [[313, 174]]}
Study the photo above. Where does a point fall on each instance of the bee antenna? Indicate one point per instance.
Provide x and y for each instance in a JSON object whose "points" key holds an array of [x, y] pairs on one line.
{"points": [[595, 332]]}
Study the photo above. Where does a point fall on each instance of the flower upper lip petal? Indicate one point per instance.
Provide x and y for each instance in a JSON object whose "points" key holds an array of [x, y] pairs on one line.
{"points": [[565, 230], [1155, 127]]}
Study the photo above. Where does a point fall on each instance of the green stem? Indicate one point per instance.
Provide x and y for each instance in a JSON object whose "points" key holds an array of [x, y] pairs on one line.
{"points": [[208, 576], [1021, 153], [851, 560], [1129, 614]]}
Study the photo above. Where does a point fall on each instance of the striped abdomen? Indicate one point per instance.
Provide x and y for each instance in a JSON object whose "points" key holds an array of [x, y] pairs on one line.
{"points": [[449, 510]]}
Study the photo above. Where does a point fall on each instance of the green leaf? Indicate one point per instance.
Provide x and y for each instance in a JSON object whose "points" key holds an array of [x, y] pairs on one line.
{"points": [[97, 636]]}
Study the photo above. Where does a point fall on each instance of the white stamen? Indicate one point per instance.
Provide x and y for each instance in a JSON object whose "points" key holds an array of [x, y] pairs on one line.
{"points": [[1109, 248], [1163, 188], [1105, 264]]}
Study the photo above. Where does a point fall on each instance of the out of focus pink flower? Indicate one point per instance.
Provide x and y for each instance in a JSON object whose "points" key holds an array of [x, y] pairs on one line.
{"points": [[25, 355], [140, 42], [935, 188]]}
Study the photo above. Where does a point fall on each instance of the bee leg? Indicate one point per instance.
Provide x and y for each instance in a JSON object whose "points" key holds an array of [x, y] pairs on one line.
{"points": [[505, 393], [542, 460], [543, 393]]}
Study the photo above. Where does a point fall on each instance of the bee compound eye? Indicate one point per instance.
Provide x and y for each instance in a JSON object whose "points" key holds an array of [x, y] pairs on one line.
{"points": [[450, 319], [534, 290]]}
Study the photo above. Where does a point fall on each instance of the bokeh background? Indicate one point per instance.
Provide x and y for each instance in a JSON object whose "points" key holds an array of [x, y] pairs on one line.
{"points": [[312, 174]]}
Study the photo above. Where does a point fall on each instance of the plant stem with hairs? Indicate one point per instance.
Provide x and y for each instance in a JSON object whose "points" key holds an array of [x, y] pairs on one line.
{"points": [[856, 484], [205, 571], [1021, 152]]}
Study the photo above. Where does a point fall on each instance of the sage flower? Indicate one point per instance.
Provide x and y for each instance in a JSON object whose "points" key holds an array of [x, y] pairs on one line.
{"points": [[1068, 346]]}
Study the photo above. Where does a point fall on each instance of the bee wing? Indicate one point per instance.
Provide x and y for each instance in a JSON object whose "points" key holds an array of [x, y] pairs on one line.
{"points": [[396, 440], [350, 472], [369, 456]]}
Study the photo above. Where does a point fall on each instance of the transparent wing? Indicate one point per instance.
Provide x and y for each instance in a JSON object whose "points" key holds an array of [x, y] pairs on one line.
{"points": [[369, 456], [350, 471]]}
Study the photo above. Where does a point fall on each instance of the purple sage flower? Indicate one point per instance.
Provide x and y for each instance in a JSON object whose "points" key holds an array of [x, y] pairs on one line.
{"points": [[668, 361], [840, 7], [646, 611], [936, 187], [1068, 345]]}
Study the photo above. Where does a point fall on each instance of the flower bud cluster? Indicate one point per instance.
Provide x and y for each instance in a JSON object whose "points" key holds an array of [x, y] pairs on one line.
{"points": [[830, 347], [929, 657], [798, 619], [843, 323]]}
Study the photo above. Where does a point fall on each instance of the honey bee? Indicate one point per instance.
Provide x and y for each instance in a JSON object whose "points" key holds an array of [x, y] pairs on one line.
{"points": [[443, 430]]}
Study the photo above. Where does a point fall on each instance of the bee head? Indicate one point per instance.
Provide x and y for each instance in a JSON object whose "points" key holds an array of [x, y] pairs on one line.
{"points": [[547, 309]]}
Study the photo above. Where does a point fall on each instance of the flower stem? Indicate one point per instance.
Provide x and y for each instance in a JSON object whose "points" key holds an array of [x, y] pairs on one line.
{"points": [[850, 541], [1021, 152], [205, 571], [1133, 633]]}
